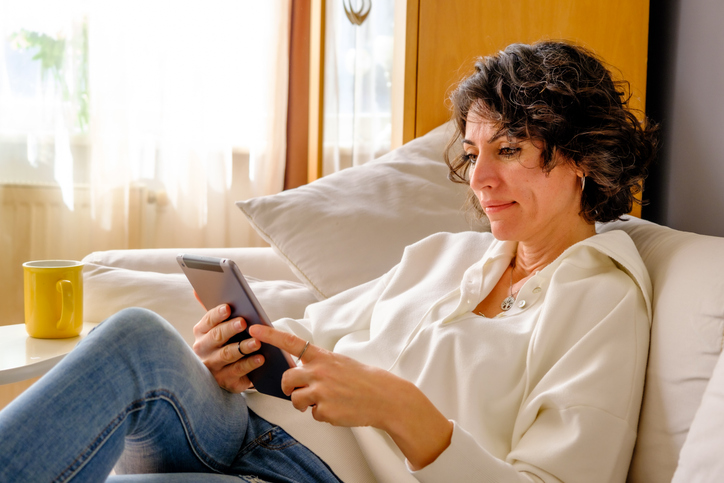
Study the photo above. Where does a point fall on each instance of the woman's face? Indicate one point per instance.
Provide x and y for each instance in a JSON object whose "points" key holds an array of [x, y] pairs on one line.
{"points": [[522, 202]]}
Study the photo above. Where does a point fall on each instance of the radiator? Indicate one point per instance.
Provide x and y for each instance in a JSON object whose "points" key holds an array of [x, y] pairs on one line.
{"points": [[37, 225]]}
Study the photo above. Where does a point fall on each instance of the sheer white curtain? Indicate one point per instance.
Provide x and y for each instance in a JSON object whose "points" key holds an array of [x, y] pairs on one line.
{"points": [[358, 82], [175, 88]]}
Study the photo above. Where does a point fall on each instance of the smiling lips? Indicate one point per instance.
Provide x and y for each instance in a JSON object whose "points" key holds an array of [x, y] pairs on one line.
{"points": [[496, 206]]}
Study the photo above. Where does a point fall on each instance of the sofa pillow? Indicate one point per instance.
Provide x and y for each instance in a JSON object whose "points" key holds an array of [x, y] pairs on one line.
{"points": [[687, 334], [701, 459], [352, 226]]}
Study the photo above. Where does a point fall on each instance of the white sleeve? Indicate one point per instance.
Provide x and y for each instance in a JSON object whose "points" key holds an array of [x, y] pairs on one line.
{"points": [[326, 322], [466, 460]]}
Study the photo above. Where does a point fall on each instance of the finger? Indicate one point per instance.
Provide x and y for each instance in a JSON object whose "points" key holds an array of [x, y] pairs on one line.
{"points": [[211, 319], [296, 379], [228, 354], [234, 378], [248, 346], [302, 399], [231, 353], [246, 365], [218, 336], [284, 340]]}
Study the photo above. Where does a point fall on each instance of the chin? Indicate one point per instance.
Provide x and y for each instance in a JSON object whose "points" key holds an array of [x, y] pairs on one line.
{"points": [[502, 232]]}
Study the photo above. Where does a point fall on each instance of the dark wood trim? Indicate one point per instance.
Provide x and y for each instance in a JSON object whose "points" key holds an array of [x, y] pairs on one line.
{"points": [[298, 103], [316, 89]]}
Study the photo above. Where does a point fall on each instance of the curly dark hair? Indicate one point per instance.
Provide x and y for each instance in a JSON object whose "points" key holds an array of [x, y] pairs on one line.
{"points": [[561, 97]]}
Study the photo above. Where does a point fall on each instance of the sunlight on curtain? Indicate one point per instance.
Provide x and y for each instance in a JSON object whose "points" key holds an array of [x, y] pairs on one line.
{"points": [[174, 90], [43, 92], [160, 97], [358, 83], [136, 124]]}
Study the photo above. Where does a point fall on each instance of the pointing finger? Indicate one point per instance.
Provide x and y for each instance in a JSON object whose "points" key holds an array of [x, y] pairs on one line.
{"points": [[286, 341]]}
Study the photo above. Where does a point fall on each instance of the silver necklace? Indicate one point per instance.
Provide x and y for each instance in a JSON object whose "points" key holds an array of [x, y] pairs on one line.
{"points": [[510, 299]]}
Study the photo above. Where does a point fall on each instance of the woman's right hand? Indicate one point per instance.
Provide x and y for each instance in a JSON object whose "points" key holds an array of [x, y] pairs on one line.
{"points": [[228, 363]]}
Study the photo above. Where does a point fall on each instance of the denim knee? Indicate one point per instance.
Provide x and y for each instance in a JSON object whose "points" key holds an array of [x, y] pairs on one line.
{"points": [[138, 329]]}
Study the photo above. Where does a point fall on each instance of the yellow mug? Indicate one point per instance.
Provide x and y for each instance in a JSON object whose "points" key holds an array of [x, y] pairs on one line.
{"points": [[53, 298]]}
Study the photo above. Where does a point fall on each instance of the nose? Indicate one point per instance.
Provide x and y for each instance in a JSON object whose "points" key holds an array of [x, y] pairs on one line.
{"points": [[483, 174]]}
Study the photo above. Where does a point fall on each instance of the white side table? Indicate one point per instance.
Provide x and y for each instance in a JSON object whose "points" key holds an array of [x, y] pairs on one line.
{"points": [[23, 357]]}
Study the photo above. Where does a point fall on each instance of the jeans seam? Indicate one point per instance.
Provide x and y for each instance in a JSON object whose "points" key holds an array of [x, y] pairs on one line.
{"points": [[137, 405], [263, 441]]}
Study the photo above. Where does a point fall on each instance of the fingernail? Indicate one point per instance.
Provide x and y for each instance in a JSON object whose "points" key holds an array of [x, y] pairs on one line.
{"points": [[237, 324], [223, 309], [258, 360]]}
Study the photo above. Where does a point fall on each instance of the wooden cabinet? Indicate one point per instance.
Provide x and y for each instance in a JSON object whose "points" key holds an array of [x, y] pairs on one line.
{"points": [[437, 42]]}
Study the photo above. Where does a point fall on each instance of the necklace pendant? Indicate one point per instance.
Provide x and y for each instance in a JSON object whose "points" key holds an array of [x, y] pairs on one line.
{"points": [[507, 303]]}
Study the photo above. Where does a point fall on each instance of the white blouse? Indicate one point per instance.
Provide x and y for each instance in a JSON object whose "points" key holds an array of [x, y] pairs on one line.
{"points": [[548, 391]]}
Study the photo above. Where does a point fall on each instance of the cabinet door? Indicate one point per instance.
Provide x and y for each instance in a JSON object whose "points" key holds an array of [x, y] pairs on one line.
{"points": [[443, 39]]}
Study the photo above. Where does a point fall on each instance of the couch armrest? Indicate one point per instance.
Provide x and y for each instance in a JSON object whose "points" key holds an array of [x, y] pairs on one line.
{"points": [[256, 262]]}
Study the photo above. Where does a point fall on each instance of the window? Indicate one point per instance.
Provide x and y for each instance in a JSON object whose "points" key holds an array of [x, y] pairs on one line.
{"points": [[358, 82], [117, 90], [44, 108]]}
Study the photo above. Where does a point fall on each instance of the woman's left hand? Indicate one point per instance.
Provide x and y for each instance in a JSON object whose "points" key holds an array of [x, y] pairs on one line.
{"points": [[344, 392]]}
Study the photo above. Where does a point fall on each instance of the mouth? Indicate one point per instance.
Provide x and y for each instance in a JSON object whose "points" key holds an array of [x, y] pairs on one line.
{"points": [[496, 207]]}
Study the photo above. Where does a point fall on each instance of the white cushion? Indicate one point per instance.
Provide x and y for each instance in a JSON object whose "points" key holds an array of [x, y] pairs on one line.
{"points": [[352, 226], [255, 262], [701, 457], [686, 339], [117, 279]]}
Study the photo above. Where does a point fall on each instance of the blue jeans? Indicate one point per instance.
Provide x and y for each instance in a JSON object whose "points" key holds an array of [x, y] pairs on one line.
{"points": [[133, 394]]}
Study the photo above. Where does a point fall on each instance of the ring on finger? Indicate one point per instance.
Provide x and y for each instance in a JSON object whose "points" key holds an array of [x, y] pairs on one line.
{"points": [[239, 347], [303, 350]]}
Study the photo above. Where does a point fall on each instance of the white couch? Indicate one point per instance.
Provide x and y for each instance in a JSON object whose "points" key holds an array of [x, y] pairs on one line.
{"points": [[352, 226]]}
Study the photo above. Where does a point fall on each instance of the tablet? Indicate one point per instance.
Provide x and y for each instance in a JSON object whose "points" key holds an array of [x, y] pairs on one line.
{"points": [[219, 281]]}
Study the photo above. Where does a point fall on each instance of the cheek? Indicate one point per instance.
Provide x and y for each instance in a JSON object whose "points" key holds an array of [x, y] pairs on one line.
{"points": [[540, 194], [561, 197]]}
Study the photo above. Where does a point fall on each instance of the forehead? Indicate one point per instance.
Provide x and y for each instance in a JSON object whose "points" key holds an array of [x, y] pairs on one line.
{"points": [[481, 130]]}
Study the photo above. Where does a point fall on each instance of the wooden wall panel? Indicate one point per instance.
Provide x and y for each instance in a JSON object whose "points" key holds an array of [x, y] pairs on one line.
{"points": [[316, 88], [451, 34]]}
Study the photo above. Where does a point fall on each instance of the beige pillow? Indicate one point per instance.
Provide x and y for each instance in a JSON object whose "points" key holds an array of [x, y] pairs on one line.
{"points": [[701, 459], [352, 226], [687, 334]]}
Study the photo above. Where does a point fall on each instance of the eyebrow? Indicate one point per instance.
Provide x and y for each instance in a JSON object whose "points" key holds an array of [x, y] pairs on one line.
{"points": [[497, 136]]}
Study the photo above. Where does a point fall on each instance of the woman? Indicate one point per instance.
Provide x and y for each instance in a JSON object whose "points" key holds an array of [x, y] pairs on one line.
{"points": [[516, 356]]}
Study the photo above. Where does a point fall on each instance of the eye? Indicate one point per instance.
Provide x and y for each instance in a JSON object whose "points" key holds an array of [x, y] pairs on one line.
{"points": [[470, 158], [508, 151]]}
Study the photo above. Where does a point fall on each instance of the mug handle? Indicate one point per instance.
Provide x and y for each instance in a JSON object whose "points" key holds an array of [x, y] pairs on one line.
{"points": [[65, 287]]}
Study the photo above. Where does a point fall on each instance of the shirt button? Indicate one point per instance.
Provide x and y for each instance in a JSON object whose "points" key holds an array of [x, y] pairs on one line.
{"points": [[521, 304], [537, 290]]}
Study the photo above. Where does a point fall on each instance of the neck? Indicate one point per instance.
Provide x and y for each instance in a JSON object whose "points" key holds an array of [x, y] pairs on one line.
{"points": [[533, 256]]}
